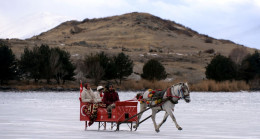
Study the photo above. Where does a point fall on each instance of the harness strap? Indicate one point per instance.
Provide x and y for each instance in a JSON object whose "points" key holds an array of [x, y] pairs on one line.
{"points": [[173, 102], [169, 95], [169, 92]]}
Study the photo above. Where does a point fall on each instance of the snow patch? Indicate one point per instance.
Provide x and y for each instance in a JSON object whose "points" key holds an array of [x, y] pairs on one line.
{"points": [[152, 54], [75, 55], [179, 27]]}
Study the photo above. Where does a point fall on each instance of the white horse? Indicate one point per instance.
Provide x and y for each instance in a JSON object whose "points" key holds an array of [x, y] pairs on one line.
{"points": [[168, 101]]}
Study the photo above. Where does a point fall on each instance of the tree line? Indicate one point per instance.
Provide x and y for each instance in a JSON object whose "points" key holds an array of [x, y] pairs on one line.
{"points": [[39, 63], [55, 64], [240, 65], [102, 67], [45, 63]]}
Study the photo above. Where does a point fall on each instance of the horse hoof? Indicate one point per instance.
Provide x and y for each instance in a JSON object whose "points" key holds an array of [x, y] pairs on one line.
{"points": [[157, 130], [135, 126], [179, 128]]}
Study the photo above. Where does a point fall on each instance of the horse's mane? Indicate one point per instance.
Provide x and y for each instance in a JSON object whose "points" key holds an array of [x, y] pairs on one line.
{"points": [[180, 83]]}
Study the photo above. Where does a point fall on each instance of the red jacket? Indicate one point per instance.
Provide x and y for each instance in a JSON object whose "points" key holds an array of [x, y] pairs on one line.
{"points": [[110, 97]]}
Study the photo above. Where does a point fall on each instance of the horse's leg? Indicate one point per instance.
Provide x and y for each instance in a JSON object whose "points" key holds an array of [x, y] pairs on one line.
{"points": [[164, 119], [154, 122], [143, 106], [169, 111]]}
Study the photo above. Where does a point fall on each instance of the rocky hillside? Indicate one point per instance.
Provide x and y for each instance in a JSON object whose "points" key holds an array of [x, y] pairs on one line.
{"points": [[184, 52]]}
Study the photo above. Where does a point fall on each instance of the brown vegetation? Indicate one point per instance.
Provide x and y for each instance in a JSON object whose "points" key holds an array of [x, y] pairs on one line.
{"points": [[204, 86], [30, 85], [225, 86], [46, 87], [131, 85], [143, 84]]}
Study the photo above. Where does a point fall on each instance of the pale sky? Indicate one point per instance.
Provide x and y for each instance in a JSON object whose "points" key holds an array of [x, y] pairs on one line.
{"points": [[235, 20]]}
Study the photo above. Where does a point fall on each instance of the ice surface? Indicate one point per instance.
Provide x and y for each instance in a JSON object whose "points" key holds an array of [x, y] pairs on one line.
{"points": [[45, 115]]}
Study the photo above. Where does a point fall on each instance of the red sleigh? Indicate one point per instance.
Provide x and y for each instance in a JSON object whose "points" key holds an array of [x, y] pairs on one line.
{"points": [[120, 114]]}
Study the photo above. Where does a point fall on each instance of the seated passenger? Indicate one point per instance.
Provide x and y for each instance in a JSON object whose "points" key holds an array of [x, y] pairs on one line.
{"points": [[110, 97], [99, 93], [87, 94]]}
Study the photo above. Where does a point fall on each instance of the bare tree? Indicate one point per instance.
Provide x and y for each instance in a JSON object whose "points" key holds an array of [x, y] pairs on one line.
{"points": [[238, 54], [80, 70], [61, 67], [55, 65], [93, 69]]}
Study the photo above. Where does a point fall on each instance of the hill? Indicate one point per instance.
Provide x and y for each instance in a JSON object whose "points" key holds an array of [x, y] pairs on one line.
{"points": [[142, 36]]}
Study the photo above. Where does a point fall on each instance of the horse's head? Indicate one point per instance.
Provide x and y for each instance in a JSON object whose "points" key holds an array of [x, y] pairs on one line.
{"points": [[186, 92]]}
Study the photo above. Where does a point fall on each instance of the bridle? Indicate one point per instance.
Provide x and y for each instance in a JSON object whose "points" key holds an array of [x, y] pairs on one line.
{"points": [[171, 93], [183, 90]]}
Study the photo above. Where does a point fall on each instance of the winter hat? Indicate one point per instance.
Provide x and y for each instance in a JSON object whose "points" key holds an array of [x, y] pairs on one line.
{"points": [[86, 85], [107, 86], [100, 87]]}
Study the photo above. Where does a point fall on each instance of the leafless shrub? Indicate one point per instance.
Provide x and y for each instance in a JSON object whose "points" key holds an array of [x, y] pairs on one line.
{"points": [[210, 51], [75, 30], [55, 65], [238, 54], [208, 40], [93, 69]]}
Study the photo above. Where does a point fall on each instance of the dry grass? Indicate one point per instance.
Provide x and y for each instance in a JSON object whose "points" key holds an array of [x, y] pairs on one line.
{"points": [[225, 86], [47, 87], [145, 84], [203, 86], [30, 85], [255, 84]]}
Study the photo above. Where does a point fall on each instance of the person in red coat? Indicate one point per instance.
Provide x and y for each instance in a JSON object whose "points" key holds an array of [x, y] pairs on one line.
{"points": [[110, 97]]}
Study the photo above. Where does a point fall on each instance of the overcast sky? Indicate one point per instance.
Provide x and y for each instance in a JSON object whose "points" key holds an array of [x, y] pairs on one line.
{"points": [[236, 20]]}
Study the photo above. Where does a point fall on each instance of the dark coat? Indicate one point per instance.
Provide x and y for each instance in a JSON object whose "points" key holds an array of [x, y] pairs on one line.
{"points": [[110, 97]]}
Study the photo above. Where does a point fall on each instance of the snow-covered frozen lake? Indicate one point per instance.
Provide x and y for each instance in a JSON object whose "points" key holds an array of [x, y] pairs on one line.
{"points": [[45, 115]]}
